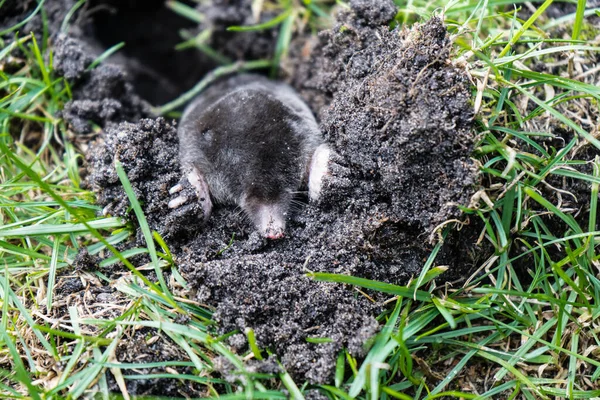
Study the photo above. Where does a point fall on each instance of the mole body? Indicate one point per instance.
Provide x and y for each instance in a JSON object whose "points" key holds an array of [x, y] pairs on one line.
{"points": [[251, 142]]}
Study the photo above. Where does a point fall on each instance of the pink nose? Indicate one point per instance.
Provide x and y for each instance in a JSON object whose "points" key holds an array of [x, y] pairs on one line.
{"points": [[274, 234]]}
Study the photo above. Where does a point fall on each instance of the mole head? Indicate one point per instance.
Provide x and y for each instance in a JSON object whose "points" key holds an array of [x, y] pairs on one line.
{"points": [[268, 215]]}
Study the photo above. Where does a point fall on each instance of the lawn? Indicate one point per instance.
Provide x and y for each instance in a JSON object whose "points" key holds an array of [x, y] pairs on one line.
{"points": [[522, 325]]}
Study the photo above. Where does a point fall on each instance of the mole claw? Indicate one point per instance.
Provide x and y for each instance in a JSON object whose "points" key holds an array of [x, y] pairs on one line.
{"points": [[175, 189], [177, 202]]}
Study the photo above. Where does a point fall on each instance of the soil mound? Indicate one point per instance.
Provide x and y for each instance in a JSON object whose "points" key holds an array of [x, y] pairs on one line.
{"points": [[391, 106]]}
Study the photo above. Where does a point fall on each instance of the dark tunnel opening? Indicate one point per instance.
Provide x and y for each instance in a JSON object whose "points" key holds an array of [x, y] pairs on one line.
{"points": [[150, 31]]}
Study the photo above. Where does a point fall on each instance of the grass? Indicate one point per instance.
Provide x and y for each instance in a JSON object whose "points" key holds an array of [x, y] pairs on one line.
{"points": [[288, 15], [524, 325]]}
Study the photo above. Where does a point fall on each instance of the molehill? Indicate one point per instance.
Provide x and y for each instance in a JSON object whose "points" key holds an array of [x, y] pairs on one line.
{"points": [[391, 105]]}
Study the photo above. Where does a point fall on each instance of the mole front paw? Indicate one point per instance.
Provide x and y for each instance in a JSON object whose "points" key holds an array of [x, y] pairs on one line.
{"points": [[197, 180], [192, 186], [319, 168]]}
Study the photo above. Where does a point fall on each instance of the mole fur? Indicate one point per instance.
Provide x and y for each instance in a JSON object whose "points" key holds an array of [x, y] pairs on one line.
{"points": [[250, 141]]}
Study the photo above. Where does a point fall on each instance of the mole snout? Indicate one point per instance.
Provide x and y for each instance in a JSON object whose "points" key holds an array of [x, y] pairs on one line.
{"points": [[268, 218], [251, 142], [271, 224]]}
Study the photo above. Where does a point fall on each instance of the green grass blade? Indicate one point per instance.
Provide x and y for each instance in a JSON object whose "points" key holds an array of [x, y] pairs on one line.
{"points": [[290, 385], [25, 21], [265, 25], [525, 27], [369, 284], [577, 25], [139, 213], [208, 79], [52, 273], [252, 343], [107, 53], [185, 11], [52, 229]]}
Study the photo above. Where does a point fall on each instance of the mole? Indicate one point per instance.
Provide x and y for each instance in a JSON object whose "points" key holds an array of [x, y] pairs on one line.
{"points": [[253, 142]]}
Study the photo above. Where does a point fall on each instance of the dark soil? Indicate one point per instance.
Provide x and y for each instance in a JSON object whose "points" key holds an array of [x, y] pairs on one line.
{"points": [[391, 105], [148, 152], [399, 120]]}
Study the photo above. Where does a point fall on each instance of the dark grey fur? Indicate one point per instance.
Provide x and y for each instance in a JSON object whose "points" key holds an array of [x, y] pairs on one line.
{"points": [[251, 139]]}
